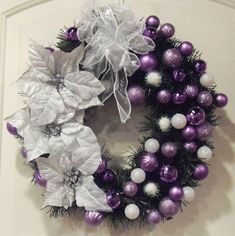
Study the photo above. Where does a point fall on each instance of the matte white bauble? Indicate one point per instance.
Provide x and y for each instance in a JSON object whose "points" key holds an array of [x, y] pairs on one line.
{"points": [[178, 121], [151, 145], [154, 79], [189, 194], [207, 80], [132, 211], [164, 124], [204, 153], [138, 175]]}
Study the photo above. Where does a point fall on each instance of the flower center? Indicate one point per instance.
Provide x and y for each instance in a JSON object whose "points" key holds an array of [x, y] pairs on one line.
{"points": [[53, 130], [57, 82], [73, 178]]}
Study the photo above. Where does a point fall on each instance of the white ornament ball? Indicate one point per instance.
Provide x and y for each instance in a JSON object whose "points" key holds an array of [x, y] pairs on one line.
{"points": [[205, 153], [178, 121], [151, 145], [164, 124], [151, 189], [207, 80], [154, 79], [189, 194], [138, 175], [132, 211]]}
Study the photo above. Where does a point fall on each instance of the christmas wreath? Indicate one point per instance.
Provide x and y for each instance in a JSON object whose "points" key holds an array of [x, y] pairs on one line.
{"points": [[109, 51]]}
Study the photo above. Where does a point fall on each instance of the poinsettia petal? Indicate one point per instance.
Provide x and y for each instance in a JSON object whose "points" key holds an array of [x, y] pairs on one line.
{"points": [[69, 99], [79, 116], [65, 163]]}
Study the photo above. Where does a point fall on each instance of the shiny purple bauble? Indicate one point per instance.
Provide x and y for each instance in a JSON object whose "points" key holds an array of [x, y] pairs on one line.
{"points": [[204, 131], [136, 94], [199, 66], [39, 179], [108, 176], [102, 166], [190, 147], [148, 162], [23, 152], [169, 149], [179, 97], [196, 116], [113, 199], [172, 58], [168, 173], [167, 30], [153, 217], [204, 99], [200, 172], [51, 50], [191, 91], [168, 208], [130, 188], [11, 129], [164, 96], [178, 75], [94, 217], [150, 32], [71, 34], [148, 62], [176, 193], [186, 48], [189, 133], [152, 21], [220, 100]]}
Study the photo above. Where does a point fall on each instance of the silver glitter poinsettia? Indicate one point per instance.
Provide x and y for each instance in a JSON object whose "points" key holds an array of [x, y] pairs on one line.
{"points": [[69, 178], [56, 87]]}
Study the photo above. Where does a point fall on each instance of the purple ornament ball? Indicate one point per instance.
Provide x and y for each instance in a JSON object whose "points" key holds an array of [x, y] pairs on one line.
{"points": [[179, 97], [200, 172], [164, 96], [204, 131], [168, 173], [11, 129], [136, 94], [199, 66], [39, 179], [23, 152], [178, 75], [148, 62], [176, 193], [169, 149], [71, 34], [150, 32], [130, 188], [191, 91], [204, 99], [113, 199], [94, 217], [196, 116], [168, 208], [167, 30], [220, 100], [172, 58], [186, 48], [189, 133], [102, 166], [149, 162], [108, 176], [190, 147], [153, 217], [152, 21]]}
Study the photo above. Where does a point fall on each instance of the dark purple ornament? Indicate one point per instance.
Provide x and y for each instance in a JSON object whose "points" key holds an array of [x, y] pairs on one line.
{"points": [[204, 131], [71, 34], [190, 147], [113, 199], [189, 133], [200, 172], [150, 32], [204, 99], [102, 166], [199, 66], [179, 97], [152, 21], [148, 62], [23, 152], [178, 75], [168, 173], [108, 176], [11, 129], [94, 217], [191, 91], [153, 217], [164, 96], [168, 208], [167, 30], [172, 58], [148, 162], [39, 179], [136, 94], [176, 193], [196, 116], [186, 48], [169, 149], [51, 50], [130, 188], [220, 100]]}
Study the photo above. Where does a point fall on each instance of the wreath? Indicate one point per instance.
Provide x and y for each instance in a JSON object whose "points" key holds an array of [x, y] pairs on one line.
{"points": [[109, 51]]}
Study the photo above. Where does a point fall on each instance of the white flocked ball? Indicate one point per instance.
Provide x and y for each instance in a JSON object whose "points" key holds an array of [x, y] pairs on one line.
{"points": [[154, 79], [205, 153], [151, 145], [189, 194], [207, 80], [132, 211], [151, 189], [164, 124], [178, 121], [138, 175]]}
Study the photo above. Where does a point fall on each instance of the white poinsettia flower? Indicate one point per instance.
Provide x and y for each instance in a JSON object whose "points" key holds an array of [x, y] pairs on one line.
{"points": [[55, 85], [39, 140], [69, 178]]}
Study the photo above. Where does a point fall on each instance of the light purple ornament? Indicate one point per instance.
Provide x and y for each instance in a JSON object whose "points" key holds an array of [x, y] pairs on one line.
{"points": [[176, 193], [136, 94], [113, 199], [191, 91], [94, 217], [172, 58], [168, 208], [167, 30], [168, 173], [186, 48], [204, 131], [189, 133], [169, 149], [108, 176], [11, 129], [150, 32], [204, 99], [148, 162], [23, 152], [148, 62], [71, 34], [130, 188], [199, 66], [39, 179], [178, 75], [164, 96], [152, 21], [196, 116], [51, 50], [153, 217], [201, 171], [190, 147], [220, 100], [102, 166], [179, 97]]}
